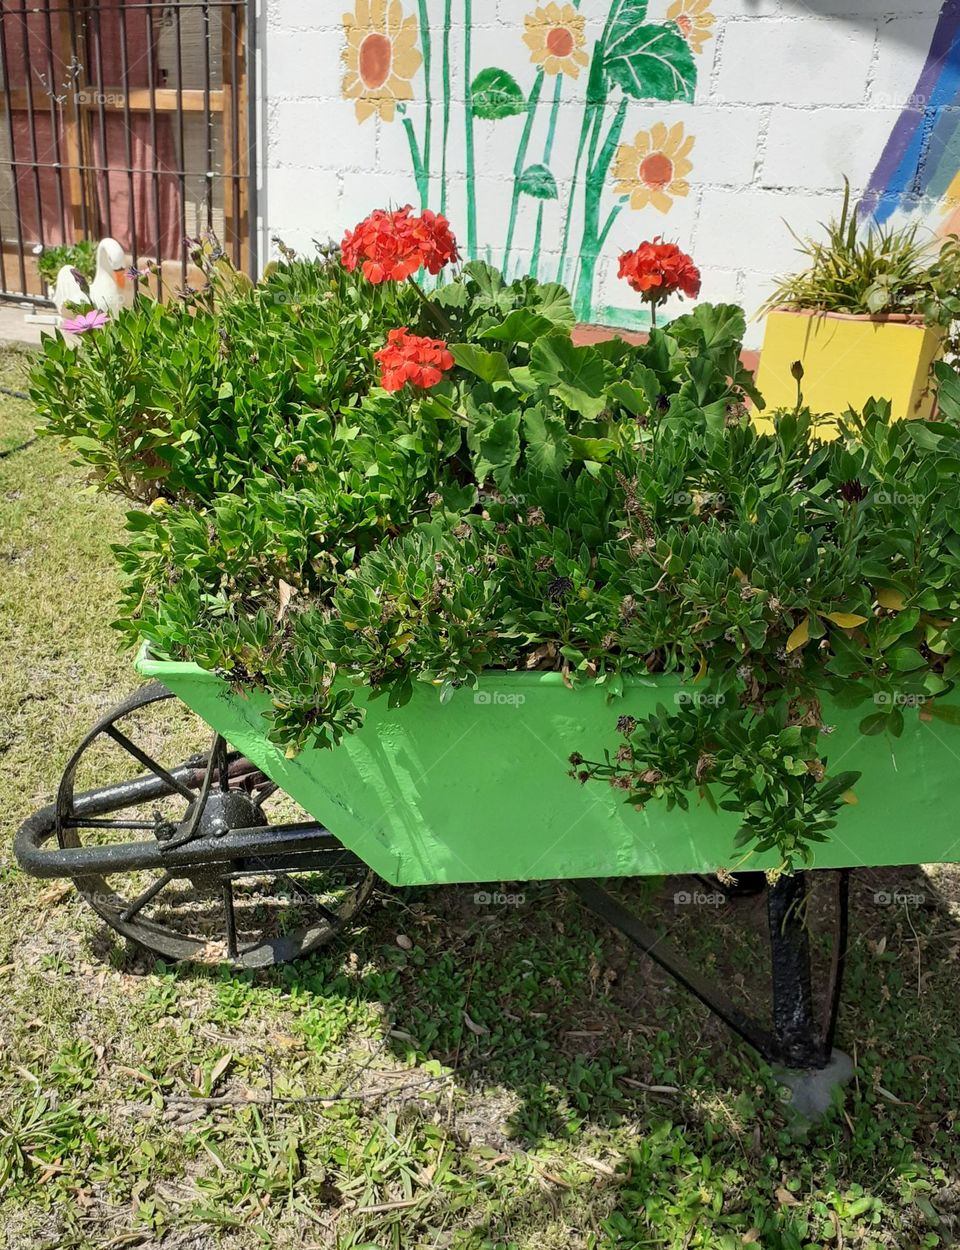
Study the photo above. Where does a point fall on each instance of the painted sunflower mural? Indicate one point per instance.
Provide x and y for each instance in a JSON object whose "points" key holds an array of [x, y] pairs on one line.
{"points": [[652, 170], [397, 49], [556, 39], [694, 20], [381, 57]]}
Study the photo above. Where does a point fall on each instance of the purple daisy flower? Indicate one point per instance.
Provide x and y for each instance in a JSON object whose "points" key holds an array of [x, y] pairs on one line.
{"points": [[91, 320]]}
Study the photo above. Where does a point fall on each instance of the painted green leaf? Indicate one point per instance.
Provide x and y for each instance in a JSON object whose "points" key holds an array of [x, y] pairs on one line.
{"points": [[652, 63], [623, 18], [538, 181], [496, 94]]}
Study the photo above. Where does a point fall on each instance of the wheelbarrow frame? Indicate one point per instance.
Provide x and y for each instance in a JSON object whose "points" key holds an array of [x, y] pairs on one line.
{"points": [[211, 839]]}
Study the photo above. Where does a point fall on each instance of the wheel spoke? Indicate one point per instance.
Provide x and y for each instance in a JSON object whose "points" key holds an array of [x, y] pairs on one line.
{"points": [[309, 900], [78, 822], [148, 895], [149, 762], [222, 767], [230, 918]]}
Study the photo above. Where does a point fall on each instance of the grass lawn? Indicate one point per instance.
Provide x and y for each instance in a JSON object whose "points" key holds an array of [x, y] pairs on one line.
{"points": [[500, 1077]]}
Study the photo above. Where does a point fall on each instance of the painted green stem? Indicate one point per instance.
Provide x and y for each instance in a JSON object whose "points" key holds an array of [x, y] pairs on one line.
{"points": [[471, 173], [596, 98], [593, 238], [584, 133], [447, 20], [419, 172], [611, 218], [423, 184], [547, 154], [519, 165]]}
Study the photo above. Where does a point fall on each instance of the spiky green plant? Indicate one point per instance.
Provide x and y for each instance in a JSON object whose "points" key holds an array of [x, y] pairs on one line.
{"points": [[876, 271]]}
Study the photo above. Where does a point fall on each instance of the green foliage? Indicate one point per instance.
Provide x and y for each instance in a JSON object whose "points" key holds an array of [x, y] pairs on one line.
{"points": [[601, 510], [879, 271], [81, 256]]}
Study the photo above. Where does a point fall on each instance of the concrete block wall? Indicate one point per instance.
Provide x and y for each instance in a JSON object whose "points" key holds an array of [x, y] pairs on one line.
{"points": [[786, 97]]}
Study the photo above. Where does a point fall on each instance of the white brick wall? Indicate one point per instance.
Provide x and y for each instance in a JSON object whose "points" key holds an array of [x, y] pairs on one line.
{"points": [[791, 95]]}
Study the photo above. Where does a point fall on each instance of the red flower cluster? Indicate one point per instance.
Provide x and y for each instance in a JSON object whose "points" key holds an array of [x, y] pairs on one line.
{"points": [[412, 358], [656, 270], [393, 245]]}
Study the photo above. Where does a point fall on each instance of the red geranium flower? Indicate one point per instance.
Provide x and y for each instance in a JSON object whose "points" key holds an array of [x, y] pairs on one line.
{"points": [[392, 246], [656, 270], [412, 358]]}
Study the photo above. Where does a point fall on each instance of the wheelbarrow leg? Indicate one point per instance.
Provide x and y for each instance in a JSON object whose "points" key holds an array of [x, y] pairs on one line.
{"points": [[810, 1068], [799, 1040], [798, 1045]]}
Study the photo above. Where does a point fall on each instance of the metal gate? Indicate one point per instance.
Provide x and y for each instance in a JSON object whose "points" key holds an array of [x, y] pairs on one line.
{"points": [[125, 118]]}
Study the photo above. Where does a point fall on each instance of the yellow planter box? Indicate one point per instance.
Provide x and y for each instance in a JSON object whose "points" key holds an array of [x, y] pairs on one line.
{"points": [[847, 359]]}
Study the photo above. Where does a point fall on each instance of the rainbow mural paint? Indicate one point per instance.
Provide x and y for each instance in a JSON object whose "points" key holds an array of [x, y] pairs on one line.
{"points": [[920, 163]]}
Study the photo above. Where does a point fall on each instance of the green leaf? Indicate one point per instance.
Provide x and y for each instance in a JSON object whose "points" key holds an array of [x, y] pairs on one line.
{"points": [[904, 659], [520, 326], [924, 436], [548, 448], [494, 440], [496, 94], [650, 62], [488, 366], [948, 394], [551, 300], [631, 397], [574, 374], [947, 712], [874, 724], [538, 181], [595, 449]]}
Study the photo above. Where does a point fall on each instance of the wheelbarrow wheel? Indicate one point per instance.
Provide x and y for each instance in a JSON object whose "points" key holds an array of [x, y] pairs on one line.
{"points": [[251, 912]]}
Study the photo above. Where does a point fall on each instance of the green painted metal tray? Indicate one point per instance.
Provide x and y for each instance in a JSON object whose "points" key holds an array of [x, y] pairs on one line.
{"points": [[477, 789]]}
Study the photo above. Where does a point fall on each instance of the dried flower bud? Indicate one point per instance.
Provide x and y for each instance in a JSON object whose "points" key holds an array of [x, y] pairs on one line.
{"points": [[853, 491], [558, 589]]}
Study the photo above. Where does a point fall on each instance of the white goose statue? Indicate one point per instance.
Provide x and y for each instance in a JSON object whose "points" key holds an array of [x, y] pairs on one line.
{"points": [[105, 287]]}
